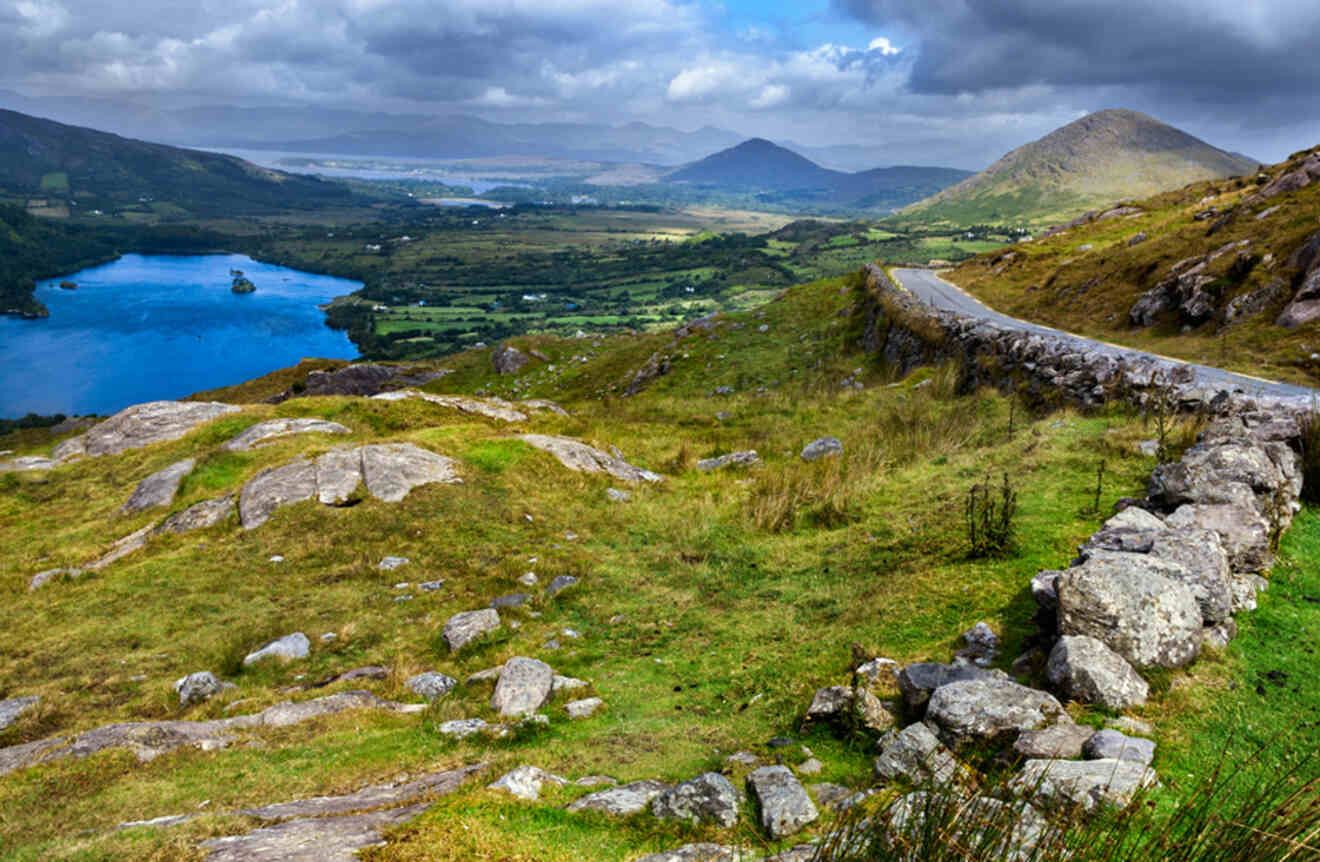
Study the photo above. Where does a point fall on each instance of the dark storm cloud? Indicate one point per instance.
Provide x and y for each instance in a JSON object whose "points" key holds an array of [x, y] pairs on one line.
{"points": [[1197, 49]]}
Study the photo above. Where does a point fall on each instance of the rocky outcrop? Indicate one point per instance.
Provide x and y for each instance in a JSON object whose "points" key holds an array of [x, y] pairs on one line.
{"points": [[708, 798], [1086, 670], [263, 432], [782, 801], [620, 801], [490, 408], [431, 685], [152, 422], [363, 380], [578, 456], [508, 359], [159, 488]]}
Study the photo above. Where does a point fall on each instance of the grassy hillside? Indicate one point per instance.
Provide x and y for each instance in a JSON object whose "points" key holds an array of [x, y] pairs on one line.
{"points": [[709, 608], [1104, 157], [67, 170], [1087, 278]]}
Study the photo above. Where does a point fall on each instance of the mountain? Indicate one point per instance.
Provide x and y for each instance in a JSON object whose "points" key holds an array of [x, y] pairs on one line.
{"points": [[781, 175], [79, 169], [1104, 157]]}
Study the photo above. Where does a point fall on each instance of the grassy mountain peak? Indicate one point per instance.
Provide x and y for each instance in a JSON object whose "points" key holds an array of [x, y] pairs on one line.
{"points": [[1106, 156]]}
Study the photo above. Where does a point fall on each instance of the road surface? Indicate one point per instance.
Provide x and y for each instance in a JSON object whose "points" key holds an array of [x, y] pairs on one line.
{"points": [[935, 291]]}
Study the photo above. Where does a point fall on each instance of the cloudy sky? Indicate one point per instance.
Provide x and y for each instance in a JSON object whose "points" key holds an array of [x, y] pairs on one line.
{"points": [[954, 82]]}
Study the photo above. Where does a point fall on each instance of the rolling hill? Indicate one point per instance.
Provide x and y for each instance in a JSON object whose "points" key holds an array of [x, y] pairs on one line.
{"points": [[1104, 157], [783, 176], [75, 169]]}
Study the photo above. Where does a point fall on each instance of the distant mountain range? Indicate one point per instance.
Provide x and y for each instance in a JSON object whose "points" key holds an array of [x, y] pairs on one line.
{"points": [[781, 176], [1102, 158], [92, 169]]}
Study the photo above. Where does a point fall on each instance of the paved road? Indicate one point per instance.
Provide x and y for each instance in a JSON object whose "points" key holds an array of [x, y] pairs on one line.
{"points": [[935, 291]]}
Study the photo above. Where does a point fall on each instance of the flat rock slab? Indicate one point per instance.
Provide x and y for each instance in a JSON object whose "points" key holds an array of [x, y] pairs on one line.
{"points": [[40, 579], [489, 408], [152, 422], [621, 801], [525, 782], [26, 463], [1089, 784], [1060, 741], [270, 489], [272, 428], [524, 687], [578, 456], [316, 839], [391, 470], [1113, 745], [11, 709], [159, 488], [784, 804], [748, 458], [150, 739], [463, 628], [376, 796], [824, 447], [708, 798], [198, 516], [123, 547], [703, 852]]}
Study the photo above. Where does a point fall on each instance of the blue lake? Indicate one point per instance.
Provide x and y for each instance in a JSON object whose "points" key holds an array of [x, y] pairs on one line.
{"points": [[149, 328]]}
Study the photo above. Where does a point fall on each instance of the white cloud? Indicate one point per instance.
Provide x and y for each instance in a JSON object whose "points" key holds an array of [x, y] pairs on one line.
{"points": [[883, 45], [771, 96]]}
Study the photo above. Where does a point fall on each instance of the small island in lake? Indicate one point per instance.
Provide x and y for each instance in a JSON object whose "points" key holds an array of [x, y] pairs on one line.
{"points": [[241, 283], [69, 285]]}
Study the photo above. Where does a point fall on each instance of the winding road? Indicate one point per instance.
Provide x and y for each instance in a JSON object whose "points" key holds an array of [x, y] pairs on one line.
{"points": [[938, 293]]}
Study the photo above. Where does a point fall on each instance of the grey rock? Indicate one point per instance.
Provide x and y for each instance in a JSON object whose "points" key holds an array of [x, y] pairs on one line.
{"points": [[272, 428], [158, 822], [1124, 602], [708, 798], [559, 584], [72, 448], [1130, 726], [27, 463], [784, 805], [159, 488], [1113, 745], [431, 685], [1243, 532], [1087, 671], [810, 766], [980, 645], [1220, 635], [198, 516], [508, 359], [1204, 568], [584, 708], [362, 380], [270, 489], [984, 710], [1089, 784], [512, 600], [824, 447], [1045, 588], [12, 708], [389, 564], [338, 474], [701, 852], [373, 796], [578, 456], [614, 495], [621, 801], [123, 547], [367, 672], [489, 408], [462, 728], [391, 470], [152, 422], [878, 669], [830, 795], [430, 586], [197, 687], [463, 628], [40, 579], [567, 683], [748, 458], [525, 782], [916, 754], [1135, 518], [1003, 831], [829, 703], [524, 686], [1063, 740], [835, 702], [312, 839], [917, 681], [287, 648]]}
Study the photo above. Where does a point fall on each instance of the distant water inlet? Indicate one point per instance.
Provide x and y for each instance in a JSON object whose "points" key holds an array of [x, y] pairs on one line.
{"points": [[153, 327]]}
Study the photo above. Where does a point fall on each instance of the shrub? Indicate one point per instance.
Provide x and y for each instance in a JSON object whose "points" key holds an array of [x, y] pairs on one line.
{"points": [[989, 514]]}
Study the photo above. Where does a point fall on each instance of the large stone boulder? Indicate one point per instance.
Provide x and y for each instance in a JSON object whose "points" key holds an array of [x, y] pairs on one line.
{"points": [[508, 359], [784, 805], [391, 470], [287, 648], [621, 801], [198, 516], [159, 488], [1123, 601], [275, 487], [578, 456], [983, 710], [198, 687], [1206, 467], [1088, 784], [1062, 740], [708, 798], [1244, 533], [1003, 831], [524, 687], [1111, 744], [272, 428], [491, 409], [338, 474], [152, 422], [1202, 568], [463, 628], [916, 754], [525, 782], [1087, 671], [431, 685]]}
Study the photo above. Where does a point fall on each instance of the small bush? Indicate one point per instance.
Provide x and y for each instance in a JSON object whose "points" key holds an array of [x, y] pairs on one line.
{"points": [[989, 515]]}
